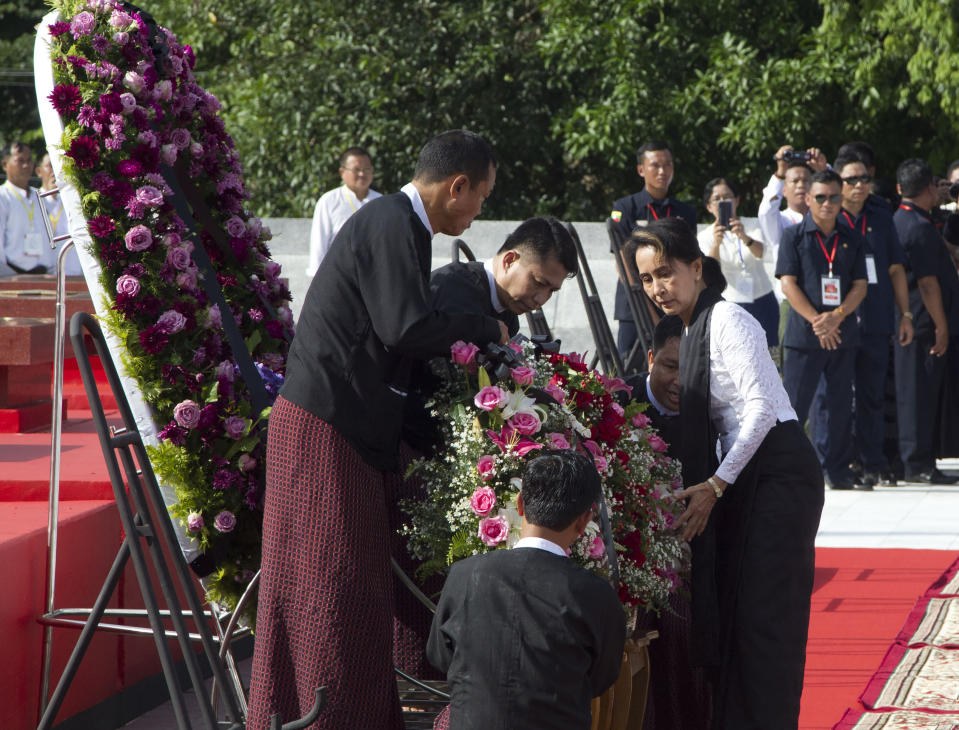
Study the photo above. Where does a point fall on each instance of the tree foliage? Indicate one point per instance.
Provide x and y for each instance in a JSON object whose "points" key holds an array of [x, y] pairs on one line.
{"points": [[565, 89]]}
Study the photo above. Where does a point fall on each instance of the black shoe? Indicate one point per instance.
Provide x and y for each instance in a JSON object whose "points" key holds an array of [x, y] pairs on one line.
{"points": [[888, 479], [840, 484], [867, 481], [934, 477]]}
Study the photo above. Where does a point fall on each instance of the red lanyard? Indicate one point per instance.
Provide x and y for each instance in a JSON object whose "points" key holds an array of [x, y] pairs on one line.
{"points": [[904, 206], [852, 225], [830, 257], [652, 210]]}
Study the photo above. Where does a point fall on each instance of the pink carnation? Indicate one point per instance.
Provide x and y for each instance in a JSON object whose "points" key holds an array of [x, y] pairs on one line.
{"points": [[483, 501], [138, 238], [490, 397], [187, 414], [523, 375], [493, 530], [525, 423], [558, 441], [464, 353], [484, 466]]}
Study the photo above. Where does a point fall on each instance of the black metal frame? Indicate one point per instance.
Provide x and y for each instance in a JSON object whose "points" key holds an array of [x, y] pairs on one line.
{"points": [[606, 353], [147, 530], [636, 299]]}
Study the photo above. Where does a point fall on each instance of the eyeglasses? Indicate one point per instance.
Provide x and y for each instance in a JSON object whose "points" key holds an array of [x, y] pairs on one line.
{"points": [[822, 198], [360, 170], [855, 179]]}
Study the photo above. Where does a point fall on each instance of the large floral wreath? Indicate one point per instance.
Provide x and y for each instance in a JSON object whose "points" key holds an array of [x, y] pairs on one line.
{"points": [[131, 108], [491, 425]]}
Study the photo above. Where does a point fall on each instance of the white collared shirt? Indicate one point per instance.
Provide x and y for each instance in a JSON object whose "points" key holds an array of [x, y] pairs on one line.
{"points": [[663, 410], [414, 195], [746, 279], [23, 239], [540, 543], [493, 294], [332, 210]]}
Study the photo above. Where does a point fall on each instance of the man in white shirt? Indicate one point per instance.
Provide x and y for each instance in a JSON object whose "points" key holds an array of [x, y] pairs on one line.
{"points": [[23, 243], [58, 221], [335, 206]]}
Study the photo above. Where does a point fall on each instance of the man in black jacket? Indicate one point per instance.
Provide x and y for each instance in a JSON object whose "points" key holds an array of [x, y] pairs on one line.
{"points": [[529, 267], [526, 636], [325, 601]]}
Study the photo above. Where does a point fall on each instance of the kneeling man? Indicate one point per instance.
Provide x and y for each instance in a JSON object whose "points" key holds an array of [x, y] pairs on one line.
{"points": [[526, 636]]}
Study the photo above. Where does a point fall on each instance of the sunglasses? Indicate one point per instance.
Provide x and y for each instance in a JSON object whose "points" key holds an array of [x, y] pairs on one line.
{"points": [[854, 179], [822, 198]]}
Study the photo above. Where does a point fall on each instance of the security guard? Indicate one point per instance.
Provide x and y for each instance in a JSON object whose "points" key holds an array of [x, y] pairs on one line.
{"points": [[654, 163], [823, 275]]}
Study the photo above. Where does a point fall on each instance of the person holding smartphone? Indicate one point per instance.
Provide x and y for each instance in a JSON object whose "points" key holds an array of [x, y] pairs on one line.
{"points": [[740, 255]]}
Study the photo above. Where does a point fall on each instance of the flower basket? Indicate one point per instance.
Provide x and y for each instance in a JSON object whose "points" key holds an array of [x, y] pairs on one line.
{"points": [[623, 706]]}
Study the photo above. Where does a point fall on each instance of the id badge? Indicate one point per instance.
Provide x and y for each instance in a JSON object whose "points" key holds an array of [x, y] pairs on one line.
{"points": [[831, 296], [642, 224], [32, 244], [871, 269]]}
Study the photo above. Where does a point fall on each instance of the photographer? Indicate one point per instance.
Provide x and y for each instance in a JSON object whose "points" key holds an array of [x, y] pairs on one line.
{"points": [[790, 182]]}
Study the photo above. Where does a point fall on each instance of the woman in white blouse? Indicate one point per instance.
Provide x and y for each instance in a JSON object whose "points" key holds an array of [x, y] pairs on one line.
{"points": [[752, 516], [740, 254]]}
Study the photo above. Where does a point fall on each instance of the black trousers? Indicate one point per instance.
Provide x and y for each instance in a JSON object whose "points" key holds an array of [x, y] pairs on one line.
{"points": [[919, 378], [766, 531]]}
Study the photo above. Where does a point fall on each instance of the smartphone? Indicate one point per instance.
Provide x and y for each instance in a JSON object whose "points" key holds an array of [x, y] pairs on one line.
{"points": [[725, 212]]}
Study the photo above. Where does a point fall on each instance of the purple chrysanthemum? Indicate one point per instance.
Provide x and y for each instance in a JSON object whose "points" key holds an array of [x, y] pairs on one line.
{"points": [[65, 98], [101, 226], [84, 151], [153, 340], [58, 29]]}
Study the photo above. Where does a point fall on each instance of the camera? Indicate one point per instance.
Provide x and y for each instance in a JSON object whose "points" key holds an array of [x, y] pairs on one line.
{"points": [[725, 212], [791, 155]]}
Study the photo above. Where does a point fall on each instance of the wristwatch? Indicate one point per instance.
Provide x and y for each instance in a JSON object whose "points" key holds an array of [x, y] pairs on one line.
{"points": [[907, 315]]}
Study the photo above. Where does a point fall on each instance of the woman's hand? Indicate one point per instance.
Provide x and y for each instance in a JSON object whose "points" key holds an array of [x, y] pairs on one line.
{"points": [[702, 499], [718, 233], [736, 227]]}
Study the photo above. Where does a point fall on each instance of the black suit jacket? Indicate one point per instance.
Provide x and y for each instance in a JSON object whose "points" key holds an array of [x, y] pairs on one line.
{"points": [[366, 314], [463, 288], [527, 639]]}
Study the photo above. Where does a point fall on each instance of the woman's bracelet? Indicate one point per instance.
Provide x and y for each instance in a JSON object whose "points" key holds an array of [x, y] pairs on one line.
{"points": [[716, 488]]}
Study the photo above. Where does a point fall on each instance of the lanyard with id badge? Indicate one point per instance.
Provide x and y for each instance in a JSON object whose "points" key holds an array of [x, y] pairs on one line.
{"points": [[871, 276], [831, 294], [32, 241]]}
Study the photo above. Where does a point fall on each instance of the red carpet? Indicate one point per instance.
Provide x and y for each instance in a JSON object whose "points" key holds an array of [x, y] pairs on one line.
{"points": [[861, 600]]}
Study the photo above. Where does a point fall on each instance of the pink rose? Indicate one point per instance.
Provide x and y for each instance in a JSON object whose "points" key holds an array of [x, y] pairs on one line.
{"points": [[593, 448], [525, 423], [235, 226], [464, 353], [133, 81], [138, 238], [180, 138], [559, 395], [640, 420], [164, 90], [121, 37], [656, 443], [246, 462], [558, 441], [186, 414], [194, 522], [171, 322], [597, 548], [186, 280], [490, 397], [485, 467], [179, 258], [168, 154], [235, 426], [493, 530], [214, 317], [225, 521], [82, 24], [515, 347], [128, 285], [120, 19], [483, 501], [129, 102], [601, 463], [523, 375], [149, 195]]}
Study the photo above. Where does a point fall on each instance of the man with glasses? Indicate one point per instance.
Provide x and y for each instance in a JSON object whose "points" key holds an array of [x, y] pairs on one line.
{"points": [[886, 279], [823, 273], [934, 301], [335, 206]]}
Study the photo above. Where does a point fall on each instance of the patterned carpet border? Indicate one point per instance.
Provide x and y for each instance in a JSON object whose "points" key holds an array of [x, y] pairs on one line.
{"points": [[897, 720], [948, 583], [933, 622]]}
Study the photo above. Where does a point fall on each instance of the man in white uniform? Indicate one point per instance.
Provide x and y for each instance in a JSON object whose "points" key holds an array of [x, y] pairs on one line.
{"points": [[335, 206], [58, 221], [23, 243]]}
